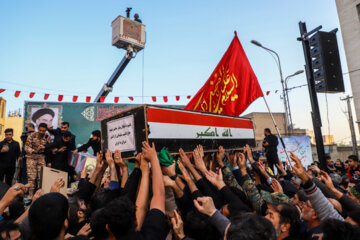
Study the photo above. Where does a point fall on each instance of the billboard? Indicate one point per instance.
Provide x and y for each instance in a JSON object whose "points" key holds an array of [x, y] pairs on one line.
{"points": [[83, 117]]}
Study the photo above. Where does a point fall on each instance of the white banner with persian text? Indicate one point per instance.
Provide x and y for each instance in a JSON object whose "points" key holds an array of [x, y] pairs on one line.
{"points": [[300, 146], [121, 134]]}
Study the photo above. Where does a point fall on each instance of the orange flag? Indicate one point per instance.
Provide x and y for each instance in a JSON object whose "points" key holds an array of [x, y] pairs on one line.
{"points": [[232, 86]]}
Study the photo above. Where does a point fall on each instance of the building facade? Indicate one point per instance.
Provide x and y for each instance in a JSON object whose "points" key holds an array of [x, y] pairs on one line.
{"points": [[349, 17], [262, 120], [2, 117], [16, 123]]}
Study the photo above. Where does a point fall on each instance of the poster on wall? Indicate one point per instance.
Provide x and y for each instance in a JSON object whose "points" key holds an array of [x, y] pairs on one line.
{"points": [[83, 117], [300, 146], [50, 115]]}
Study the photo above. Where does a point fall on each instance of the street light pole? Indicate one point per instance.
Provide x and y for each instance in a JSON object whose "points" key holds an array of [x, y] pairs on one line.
{"points": [[291, 127], [282, 81]]}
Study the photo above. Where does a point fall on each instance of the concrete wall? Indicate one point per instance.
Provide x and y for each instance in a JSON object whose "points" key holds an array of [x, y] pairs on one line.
{"points": [[15, 123], [350, 29], [344, 152]]}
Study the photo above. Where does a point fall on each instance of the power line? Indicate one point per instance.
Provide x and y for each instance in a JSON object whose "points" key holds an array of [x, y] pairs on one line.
{"points": [[352, 71]]}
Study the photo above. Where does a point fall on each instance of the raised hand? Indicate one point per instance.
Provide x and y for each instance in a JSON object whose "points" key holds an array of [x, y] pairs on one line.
{"points": [[205, 205], [99, 161], [215, 179], [276, 186], [144, 165], [280, 167], [118, 159], [17, 189], [262, 169], [298, 168], [169, 170], [219, 156], [109, 159], [38, 194], [326, 179], [184, 159], [233, 160], [201, 150], [177, 226], [148, 152], [199, 162], [315, 168], [185, 175], [241, 160], [57, 185], [168, 182]]}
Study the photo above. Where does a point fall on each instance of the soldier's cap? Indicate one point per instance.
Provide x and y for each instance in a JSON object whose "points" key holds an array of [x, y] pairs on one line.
{"points": [[275, 198], [42, 112]]}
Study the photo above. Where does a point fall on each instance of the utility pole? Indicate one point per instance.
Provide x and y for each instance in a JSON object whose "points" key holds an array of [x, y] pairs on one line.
{"points": [[315, 114], [351, 124]]}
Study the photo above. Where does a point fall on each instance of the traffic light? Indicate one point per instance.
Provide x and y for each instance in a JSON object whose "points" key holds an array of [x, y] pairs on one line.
{"points": [[326, 62]]}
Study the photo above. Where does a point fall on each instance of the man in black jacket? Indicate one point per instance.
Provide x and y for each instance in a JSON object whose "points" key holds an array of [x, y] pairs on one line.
{"points": [[9, 153], [59, 132], [94, 142], [270, 144], [59, 151]]}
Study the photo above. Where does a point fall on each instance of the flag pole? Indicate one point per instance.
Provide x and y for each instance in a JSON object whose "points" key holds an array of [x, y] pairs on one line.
{"points": [[278, 132]]}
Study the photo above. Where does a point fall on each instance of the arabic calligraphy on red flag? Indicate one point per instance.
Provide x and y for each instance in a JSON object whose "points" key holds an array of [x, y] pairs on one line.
{"points": [[232, 86]]}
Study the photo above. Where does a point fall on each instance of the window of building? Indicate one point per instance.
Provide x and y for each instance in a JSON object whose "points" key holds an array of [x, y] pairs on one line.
{"points": [[358, 10]]}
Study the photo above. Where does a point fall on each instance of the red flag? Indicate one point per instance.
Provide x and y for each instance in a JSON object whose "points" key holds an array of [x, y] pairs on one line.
{"points": [[102, 99], [31, 95], [75, 98], [131, 98], [2, 90], [17, 93], [165, 98], [232, 86], [60, 98], [177, 98], [154, 99], [88, 99], [116, 99], [46, 96]]}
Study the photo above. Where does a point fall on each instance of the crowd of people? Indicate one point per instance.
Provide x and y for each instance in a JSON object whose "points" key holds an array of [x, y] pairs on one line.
{"points": [[231, 195], [44, 147]]}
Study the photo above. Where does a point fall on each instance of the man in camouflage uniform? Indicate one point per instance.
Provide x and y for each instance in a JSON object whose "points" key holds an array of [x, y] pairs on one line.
{"points": [[35, 154]]}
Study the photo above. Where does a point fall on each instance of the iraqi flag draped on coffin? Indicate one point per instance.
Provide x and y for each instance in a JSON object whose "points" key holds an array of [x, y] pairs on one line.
{"points": [[232, 86]]}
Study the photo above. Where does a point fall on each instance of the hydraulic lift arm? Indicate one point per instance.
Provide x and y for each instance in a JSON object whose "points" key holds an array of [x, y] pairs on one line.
{"points": [[107, 88]]}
